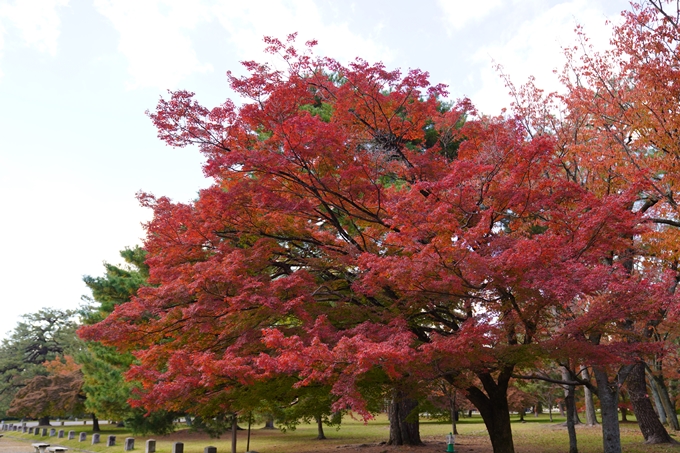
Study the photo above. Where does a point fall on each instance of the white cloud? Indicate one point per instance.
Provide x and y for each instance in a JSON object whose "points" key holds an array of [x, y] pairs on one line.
{"points": [[155, 34], [35, 21], [249, 22], [153, 38], [460, 13], [536, 49]]}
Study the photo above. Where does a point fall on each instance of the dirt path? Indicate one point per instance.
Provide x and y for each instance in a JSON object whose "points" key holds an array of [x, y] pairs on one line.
{"points": [[14, 446]]}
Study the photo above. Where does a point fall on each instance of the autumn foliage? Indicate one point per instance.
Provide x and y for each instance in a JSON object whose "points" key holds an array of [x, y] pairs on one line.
{"points": [[360, 229]]}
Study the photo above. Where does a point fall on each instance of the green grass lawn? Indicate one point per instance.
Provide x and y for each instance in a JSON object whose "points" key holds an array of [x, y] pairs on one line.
{"points": [[536, 434]]}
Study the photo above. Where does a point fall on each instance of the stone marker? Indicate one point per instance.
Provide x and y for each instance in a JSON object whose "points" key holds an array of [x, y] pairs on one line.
{"points": [[53, 432], [129, 443], [37, 431], [111, 441], [60, 434], [82, 437], [210, 449], [95, 438], [25, 429], [30, 430], [44, 431], [71, 435], [150, 446], [178, 447]]}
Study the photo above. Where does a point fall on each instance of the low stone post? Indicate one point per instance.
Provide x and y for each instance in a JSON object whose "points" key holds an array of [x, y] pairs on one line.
{"points": [[25, 429], [44, 432], [82, 437], [111, 441], [95, 438], [37, 431], [210, 449], [71, 435], [129, 443], [150, 446], [178, 447], [53, 432], [60, 434], [30, 430]]}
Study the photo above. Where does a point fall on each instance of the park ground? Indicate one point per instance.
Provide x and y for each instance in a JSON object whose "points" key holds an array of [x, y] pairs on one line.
{"points": [[536, 435]]}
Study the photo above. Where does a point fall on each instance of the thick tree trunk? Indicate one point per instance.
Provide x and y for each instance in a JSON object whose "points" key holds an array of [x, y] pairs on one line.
{"points": [[319, 428], [403, 415], [44, 421], [660, 411], [591, 417], [652, 429], [95, 424], [493, 406], [269, 422], [668, 405], [608, 393]]}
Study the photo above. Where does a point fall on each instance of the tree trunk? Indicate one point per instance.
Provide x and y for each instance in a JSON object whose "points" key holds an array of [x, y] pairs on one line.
{"points": [[591, 417], [570, 402], [269, 422], [234, 430], [652, 429], [624, 414], [453, 410], [608, 393], [577, 420], [521, 415], [95, 424], [571, 426], [660, 411], [668, 406], [319, 428], [403, 415], [44, 421], [493, 406]]}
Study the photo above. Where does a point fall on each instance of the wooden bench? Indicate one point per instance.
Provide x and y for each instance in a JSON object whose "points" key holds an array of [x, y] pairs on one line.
{"points": [[57, 449], [40, 447]]}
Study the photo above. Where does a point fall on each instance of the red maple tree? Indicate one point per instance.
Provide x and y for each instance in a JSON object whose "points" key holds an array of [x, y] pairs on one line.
{"points": [[357, 227]]}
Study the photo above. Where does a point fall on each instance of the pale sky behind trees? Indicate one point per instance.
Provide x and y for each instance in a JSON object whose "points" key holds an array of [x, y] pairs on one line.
{"points": [[76, 77]]}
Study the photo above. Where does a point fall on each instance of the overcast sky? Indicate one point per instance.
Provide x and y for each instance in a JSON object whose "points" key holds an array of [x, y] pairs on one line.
{"points": [[77, 76]]}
